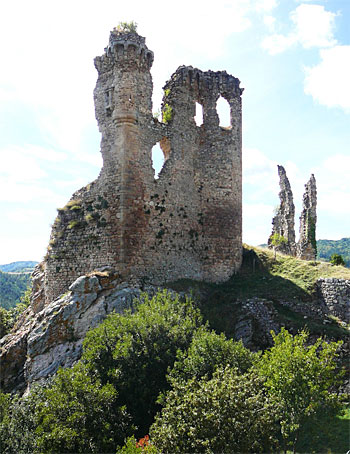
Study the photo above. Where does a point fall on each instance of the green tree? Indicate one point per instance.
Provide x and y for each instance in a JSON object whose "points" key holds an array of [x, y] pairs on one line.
{"points": [[207, 352], [277, 240], [18, 422], [5, 322], [227, 413], [80, 415], [299, 379], [337, 259], [133, 351]]}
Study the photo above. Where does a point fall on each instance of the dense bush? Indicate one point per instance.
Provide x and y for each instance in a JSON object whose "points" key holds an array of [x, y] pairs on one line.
{"points": [[299, 378], [18, 422], [133, 351], [227, 413], [80, 415], [337, 259], [207, 352]]}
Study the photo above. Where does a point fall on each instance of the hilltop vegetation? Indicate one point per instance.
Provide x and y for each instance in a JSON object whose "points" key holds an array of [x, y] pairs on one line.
{"points": [[285, 278], [161, 370], [325, 248]]}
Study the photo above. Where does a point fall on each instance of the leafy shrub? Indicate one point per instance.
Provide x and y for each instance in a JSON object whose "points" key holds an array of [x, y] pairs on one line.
{"points": [[227, 413], [207, 352], [143, 446], [18, 423], [78, 415], [299, 378], [337, 259], [133, 351]]}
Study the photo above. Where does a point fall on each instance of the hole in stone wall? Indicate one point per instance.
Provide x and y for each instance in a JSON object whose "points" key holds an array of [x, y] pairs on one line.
{"points": [[199, 114], [224, 112], [157, 160]]}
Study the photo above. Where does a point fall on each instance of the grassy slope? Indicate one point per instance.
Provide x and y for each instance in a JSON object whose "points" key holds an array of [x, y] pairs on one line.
{"points": [[284, 278]]}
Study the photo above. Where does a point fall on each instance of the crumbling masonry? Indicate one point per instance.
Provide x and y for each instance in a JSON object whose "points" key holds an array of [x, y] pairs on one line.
{"points": [[307, 247], [185, 224], [283, 221]]}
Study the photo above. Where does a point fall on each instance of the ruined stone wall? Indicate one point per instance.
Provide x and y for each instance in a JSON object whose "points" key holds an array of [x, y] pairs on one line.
{"points": [[335, 293], [186, 223], [283, 221], [307, 248]]}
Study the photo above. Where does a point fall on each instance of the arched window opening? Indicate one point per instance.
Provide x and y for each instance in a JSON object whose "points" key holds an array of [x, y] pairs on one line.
{"points": [[224, 112], [157, 160], [199, 114]]}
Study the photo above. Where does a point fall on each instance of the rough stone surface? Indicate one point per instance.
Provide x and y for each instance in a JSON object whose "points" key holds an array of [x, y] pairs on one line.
{"points": [[306, 248], [335, 294], [283, 221], [186, 223], [256, 321], [44, 340]]}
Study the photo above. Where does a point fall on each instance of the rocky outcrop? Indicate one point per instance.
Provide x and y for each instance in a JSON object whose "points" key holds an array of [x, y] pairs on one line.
{"points": [[307, 248], [44, 340], [283, 221]]}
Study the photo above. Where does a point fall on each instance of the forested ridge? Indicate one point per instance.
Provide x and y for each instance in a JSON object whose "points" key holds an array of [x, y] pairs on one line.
{"points": [[12, 288], [18, 267], [326, 248]]}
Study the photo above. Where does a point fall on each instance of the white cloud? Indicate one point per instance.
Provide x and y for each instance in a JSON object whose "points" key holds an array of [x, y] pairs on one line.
{"points": [[313, 26], [270, 22], [332, 176], [265, 5], [259, 171], [277, 43], [328, 82]]}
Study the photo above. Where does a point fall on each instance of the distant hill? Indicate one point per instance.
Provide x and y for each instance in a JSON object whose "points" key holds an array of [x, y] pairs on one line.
{"points": [[325, 248], [18, 267], [12, 287]]}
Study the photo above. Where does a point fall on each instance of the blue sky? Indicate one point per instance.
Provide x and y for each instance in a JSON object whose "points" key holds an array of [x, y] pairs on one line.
{"points": [[292, 57]]}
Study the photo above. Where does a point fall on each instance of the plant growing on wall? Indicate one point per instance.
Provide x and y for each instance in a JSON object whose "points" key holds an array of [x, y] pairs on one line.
{"points": [[312, 232], [127, 27], [167, 113]]}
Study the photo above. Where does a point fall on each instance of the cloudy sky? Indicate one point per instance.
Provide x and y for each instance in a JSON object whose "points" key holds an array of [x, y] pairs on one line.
{"points": [[292, 57]]}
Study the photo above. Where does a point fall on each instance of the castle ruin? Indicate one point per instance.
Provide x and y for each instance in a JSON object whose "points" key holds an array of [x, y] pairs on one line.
{"points": [[283, 221], [185, 224]]}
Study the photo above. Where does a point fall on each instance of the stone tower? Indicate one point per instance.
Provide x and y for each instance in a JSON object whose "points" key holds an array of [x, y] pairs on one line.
{"points": [[307, 247], [283, 221], [185, 224]]}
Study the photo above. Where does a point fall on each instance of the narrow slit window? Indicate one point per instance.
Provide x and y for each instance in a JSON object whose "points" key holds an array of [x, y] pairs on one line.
{"points": [[157, 160], [199, 114]]}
